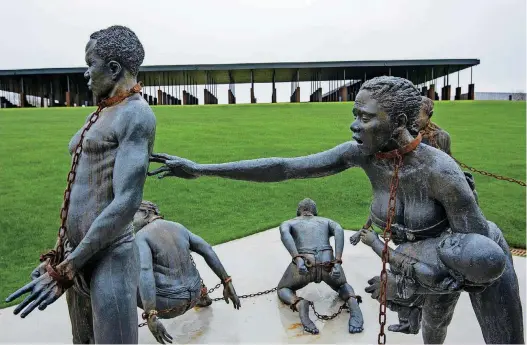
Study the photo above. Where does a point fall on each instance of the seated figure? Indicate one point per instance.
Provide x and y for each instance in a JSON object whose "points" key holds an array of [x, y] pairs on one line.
{"points": [[169, 283], [306, 238], [447, 267]]}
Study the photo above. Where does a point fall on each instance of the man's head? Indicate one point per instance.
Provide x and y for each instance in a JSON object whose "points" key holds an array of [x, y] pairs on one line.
{"points": [[111, 54], [306, 207], [144, 214], [384, 107], [425, 113], [476, 258]]}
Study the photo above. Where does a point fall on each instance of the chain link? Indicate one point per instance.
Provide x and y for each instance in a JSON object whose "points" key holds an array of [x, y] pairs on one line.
{"points": [[328, 317], [489, 174], [387, 235], [429, 133]]}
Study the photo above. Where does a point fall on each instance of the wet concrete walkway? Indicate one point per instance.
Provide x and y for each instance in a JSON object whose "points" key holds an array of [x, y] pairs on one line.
{"points": [[256, 263]]}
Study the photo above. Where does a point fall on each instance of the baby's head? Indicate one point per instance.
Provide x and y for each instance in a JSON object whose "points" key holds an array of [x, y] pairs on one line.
{"points": [[475, 258]]}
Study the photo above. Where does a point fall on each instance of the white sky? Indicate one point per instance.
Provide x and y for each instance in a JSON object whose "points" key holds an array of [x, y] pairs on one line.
{"points": [[53, 33]]}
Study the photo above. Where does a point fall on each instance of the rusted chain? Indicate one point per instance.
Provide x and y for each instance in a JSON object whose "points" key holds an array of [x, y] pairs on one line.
{"points": [[429, 132], [387, 235], [489, 174]]}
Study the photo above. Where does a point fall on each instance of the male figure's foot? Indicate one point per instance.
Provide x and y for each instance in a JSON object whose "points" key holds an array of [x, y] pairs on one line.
{"points": [[303, 311], [356, 322], [403, 327]]}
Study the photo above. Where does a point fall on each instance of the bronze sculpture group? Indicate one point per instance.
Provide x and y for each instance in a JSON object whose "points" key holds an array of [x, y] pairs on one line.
{"points": [[421, 199]]}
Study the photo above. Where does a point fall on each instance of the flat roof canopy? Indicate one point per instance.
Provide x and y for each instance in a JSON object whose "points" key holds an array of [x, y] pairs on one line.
{"points": [[418, 71]]}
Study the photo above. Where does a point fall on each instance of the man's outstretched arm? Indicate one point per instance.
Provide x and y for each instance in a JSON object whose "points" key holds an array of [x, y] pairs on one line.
{"points": [[321, 164], [135, 138], [200, 246]]}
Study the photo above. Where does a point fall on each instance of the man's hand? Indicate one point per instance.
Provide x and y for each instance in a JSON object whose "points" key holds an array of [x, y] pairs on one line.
{"points": [[39, 270], [368, 236], [158, 330], [302, 269], [335, 271], [43, 291], [173, 166], [374, 287], [355, 238], [230, 293]]}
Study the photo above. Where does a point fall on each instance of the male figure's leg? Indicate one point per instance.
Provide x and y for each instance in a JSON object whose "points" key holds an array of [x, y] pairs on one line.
{"points": [[347, 294], [438, 311], [291, 282], [409, 318], [79, 307], [113, 293]]}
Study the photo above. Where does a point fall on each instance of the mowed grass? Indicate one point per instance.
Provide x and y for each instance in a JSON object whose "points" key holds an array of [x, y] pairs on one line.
{"points": [[34, 162]]}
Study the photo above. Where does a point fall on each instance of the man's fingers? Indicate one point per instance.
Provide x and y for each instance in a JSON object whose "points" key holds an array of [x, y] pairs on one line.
{"points": [[168, 336], [159, 339], [374, 280], [375, 294], [158, 170], [165, 336], [159, 157], [165, 174], [26, 288], [370, 289], [26, 301], [36, 302], [50, 298]]}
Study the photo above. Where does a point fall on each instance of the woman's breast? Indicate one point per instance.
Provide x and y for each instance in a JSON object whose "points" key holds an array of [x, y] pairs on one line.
{"points": [[414, 207]]}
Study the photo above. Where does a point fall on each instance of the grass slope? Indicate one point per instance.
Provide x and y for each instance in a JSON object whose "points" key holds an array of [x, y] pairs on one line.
{"points": [[34, 163]]}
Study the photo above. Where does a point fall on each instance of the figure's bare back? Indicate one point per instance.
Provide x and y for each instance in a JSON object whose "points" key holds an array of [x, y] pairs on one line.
{"points": [[310, 232], [170, 246]]}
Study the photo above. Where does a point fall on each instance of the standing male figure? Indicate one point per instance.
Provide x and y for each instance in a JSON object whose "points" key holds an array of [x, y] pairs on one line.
{"points": [[96, 252], [306, 238], [170, 283]]}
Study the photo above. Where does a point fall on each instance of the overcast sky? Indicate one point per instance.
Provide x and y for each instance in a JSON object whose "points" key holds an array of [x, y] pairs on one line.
{"points": [[53, 33]]}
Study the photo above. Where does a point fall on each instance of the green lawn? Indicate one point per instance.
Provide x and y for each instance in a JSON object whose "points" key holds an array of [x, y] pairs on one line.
{"points": [[34, 163]]}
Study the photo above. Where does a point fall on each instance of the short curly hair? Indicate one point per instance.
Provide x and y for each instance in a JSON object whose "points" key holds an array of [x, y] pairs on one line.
{"points": [[307, 205], [396, 95], [121, 44], [149, 207]]}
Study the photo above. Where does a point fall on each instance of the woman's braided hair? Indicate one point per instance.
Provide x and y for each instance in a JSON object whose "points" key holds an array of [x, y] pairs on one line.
{"points": [[396, 96]]}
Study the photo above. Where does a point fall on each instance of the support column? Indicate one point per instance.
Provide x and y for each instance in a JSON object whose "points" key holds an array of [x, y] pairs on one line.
{"points": [[432, 92], [458, 93], [159, 97], [68, 94], [471, 93], [273, 97], [253, 99], [448, 93], [343, 94], [22, 95]]}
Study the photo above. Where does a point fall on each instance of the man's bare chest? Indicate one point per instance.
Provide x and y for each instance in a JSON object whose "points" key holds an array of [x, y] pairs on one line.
{"points": [[100, 138]]}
